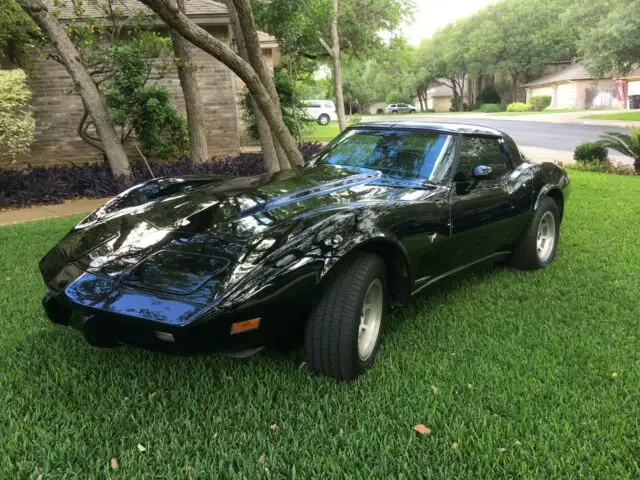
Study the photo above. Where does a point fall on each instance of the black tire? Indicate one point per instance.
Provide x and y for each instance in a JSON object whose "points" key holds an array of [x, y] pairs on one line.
{"points": [[526, 256], [324, 119], [331, 333], [394, 111]]}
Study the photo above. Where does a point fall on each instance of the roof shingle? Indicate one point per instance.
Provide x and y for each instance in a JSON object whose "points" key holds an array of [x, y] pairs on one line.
{"points": [[576, 71]]}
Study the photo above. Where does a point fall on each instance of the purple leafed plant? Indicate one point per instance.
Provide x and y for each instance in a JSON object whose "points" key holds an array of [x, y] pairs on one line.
{"points": [[57, 183]]}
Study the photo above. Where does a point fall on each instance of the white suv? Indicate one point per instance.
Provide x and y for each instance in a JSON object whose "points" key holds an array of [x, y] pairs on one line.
{"points": [[322, 111], [400, 108]]}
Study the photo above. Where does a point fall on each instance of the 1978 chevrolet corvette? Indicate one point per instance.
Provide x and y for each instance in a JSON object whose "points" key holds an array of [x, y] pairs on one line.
{"points": [[202, 263]]}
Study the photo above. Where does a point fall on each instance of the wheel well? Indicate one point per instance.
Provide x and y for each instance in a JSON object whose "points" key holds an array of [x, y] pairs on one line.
{"points": [[558, 198], [397, 268]]}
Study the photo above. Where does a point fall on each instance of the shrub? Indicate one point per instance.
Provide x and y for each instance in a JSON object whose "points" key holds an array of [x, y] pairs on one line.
{"points": [[604, 167], [627, 144], [16, 120], [590, 152], [490, 108], [539, 103], [57, 183], [488, 95], [518, 107]]}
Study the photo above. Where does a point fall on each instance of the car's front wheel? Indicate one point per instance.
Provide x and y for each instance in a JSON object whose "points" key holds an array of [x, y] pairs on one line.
{"points": [[324, 119], [537, 247], [343, 331]]}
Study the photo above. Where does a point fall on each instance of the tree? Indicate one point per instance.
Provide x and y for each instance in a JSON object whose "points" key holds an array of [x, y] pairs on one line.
{"points": [[326, 28], [445, 57], [16, 31], [198, 150], [254, 53], [91, 97], [267, 142], [517, 39], [169, 12], [609, 35]]}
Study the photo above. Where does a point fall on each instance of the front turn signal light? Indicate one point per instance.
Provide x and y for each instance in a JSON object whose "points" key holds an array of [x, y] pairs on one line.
{"points": [[245, 326]]}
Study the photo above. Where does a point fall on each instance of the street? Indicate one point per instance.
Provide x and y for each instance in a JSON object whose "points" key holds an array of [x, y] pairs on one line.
{"points": [[552, 135]]}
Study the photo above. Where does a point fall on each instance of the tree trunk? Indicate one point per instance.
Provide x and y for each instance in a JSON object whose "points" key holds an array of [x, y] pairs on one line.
{"points": [[91, 97], [168, 11], [334, 53], [198, 150], [244, 14], [264, 132]]}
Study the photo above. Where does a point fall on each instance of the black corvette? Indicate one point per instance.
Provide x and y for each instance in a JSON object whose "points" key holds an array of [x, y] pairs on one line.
{"points": [[201, 263]]}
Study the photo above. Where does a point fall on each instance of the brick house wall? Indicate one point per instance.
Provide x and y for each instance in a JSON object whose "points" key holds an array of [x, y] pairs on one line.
{"points": [[58, 110]]}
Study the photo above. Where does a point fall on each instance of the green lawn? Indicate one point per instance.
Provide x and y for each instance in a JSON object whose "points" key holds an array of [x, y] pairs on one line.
{"points": [[519, 375], [624, 116], [313, 132], [556, 110]]}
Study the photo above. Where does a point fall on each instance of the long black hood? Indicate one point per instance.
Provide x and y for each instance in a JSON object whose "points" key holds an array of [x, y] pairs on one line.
{"points": [[198, 236]]}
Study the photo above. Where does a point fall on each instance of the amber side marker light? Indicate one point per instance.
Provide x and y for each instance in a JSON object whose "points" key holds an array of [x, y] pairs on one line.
{"points": [[245, 326]]}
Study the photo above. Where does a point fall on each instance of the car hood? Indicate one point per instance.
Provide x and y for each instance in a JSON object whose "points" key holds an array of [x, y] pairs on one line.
{"points": [[184, 235]]}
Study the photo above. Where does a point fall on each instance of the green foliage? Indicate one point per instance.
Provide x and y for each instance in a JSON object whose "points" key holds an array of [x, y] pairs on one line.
{"points": [[491, 108], [292, 109], [591, 152], [124, 55], [16, 31], [626, 144], [518, 107], [603, 167], [539, 103], [609, 34], [395, 96], [297, 24], [488, 95], [139, 107], [16, 120]]}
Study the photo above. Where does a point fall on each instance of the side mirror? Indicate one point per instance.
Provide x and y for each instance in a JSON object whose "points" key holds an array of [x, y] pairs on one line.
{"points": [[481, 172]]}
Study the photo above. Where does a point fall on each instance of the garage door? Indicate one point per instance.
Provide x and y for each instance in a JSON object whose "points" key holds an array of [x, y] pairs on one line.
{"points": [[634, 88], [566, 96]]}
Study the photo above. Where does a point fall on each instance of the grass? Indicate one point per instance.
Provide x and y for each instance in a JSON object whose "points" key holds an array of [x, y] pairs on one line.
{"points": [[547, 111], [313, 132], [537, 376], [624, 116]]}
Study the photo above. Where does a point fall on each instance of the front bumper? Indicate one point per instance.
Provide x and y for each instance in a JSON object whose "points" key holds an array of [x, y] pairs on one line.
{"points": [[209, 330]]}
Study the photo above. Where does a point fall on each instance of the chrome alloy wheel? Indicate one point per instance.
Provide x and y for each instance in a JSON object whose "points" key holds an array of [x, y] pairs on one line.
{"points": [[546, 236], [370, 320]]}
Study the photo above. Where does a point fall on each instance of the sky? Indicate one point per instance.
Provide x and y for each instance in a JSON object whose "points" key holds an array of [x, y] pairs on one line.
{"points": [[431, 15]]}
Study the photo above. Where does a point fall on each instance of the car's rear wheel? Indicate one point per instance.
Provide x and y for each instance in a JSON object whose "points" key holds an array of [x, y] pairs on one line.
{"points": [[537, 248], [343, 332], [324, 119]]}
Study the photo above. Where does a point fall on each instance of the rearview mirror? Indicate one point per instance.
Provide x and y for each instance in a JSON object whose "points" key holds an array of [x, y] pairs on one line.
{"points": [[481, 172]]}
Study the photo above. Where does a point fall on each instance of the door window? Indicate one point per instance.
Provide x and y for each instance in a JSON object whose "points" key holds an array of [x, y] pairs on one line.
{"points": [[476, 151]]}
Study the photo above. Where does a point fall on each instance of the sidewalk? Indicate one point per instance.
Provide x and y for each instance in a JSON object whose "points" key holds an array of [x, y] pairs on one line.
{"points": [[43, 212]]}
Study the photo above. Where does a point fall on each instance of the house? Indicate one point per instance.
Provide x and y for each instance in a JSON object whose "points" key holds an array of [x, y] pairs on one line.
{"points": [[439, 98], [629, 89], [58, 112], [574, 87]]}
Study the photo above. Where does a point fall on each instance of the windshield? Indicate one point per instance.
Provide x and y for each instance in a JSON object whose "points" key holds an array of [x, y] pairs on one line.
{"points": [[395, 152]]}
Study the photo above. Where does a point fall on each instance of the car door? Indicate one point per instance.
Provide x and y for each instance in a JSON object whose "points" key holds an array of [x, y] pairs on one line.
{"points": [[480, 209]]}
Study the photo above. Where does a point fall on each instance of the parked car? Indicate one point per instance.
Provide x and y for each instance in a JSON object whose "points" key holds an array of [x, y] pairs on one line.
{"points": [[322, 111], [400, 108], [215, 263]]}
